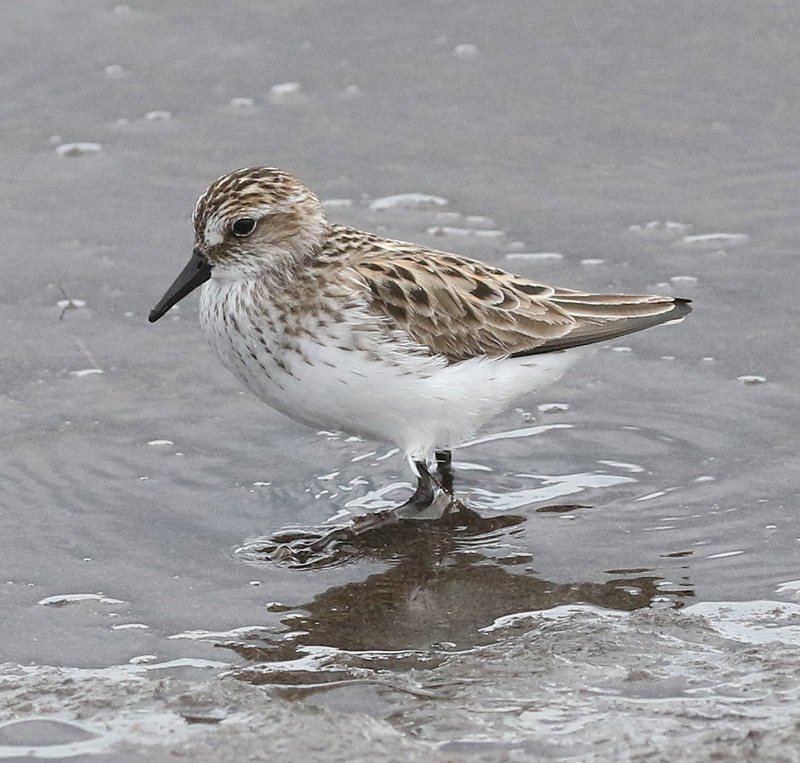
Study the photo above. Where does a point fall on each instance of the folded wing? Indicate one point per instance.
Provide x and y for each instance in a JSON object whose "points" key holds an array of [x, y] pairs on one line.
{"points": [[463, 308]]}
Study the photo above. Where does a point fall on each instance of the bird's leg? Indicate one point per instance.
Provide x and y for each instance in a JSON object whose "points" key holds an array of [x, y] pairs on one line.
{"points": [[423, 495], [444, 465], [422, 498]]}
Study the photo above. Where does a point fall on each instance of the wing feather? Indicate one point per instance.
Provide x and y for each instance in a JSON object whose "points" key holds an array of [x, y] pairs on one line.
{"points": [[463, 308]]}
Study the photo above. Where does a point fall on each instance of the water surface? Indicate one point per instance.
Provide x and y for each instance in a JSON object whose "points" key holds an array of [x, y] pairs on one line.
{"points": [[637, 511]]}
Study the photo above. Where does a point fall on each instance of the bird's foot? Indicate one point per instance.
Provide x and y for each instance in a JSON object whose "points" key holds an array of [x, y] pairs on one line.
{"points": [[432, 499], [439, 506], [317, 547]]}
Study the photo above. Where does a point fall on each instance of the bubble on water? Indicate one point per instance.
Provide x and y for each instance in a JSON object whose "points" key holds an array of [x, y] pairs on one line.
{"points": [[86, 372], [158, 116], [683, 280], [352, 92], [76, 598], [78, 149], [337, 203], [114, 71], [142, 659], [593, 262], [660, 231], [420, 201], [712, 241], [447, 230], [242, 103], [287, 92], [465, 51], [662, 602], [552, 407], [751, 379], [535, 256], [160, 442]]}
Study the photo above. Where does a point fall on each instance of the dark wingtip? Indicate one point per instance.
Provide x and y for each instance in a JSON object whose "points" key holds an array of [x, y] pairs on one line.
{"points": [[679, 310], [682, 307]]}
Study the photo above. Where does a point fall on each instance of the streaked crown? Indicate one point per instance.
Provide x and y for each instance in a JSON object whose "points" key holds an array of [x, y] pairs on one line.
{"points": [[257, 212]]}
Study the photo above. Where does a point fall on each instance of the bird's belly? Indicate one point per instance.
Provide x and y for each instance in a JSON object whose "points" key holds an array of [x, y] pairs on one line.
{"points": [[419, 407], [334, 375], [328, 387]]}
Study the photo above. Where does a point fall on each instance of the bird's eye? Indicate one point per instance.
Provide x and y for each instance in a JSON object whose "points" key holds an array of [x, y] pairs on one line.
{"points": [[244, 226]]}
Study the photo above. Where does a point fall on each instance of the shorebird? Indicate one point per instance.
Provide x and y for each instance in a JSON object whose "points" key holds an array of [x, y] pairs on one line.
{"points": [[345, 330]]}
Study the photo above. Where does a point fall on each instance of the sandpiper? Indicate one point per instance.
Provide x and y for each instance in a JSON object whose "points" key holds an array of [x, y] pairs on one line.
{"points": [[345, 330]]}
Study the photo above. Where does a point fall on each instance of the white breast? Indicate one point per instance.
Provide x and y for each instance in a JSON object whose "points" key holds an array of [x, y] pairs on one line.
{"points": [[341, 377]]}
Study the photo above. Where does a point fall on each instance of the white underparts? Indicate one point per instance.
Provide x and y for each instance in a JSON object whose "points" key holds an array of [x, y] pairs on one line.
{"points": [[342, 376]]}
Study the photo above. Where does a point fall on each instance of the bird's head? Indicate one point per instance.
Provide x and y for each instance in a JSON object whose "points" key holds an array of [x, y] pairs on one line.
{"points": [[246, 223]]}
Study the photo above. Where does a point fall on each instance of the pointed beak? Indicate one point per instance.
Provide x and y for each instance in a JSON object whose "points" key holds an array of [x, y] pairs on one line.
{"points": [[196, 273]]}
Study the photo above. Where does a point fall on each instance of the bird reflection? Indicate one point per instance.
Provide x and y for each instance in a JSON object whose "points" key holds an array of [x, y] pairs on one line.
{"points": [[448, 580]]}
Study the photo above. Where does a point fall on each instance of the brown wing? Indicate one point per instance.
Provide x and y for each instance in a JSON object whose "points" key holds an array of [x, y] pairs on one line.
{"points": [[463, 308], [606, 316]]}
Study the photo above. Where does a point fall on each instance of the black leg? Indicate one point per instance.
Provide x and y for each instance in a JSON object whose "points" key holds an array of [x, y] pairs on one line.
{"points": [[425, 493], [422, 498], [304, 545], [444, 465]]}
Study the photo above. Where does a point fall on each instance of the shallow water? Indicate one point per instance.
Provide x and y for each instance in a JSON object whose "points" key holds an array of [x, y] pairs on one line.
{"points": [[636, 509]]}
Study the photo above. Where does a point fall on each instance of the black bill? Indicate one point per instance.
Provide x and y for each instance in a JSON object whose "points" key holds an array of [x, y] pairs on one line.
{"points": [[196, 273]]}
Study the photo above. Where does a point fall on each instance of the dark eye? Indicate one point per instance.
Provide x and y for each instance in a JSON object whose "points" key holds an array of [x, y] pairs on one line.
{"points": [[244, 226]]}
